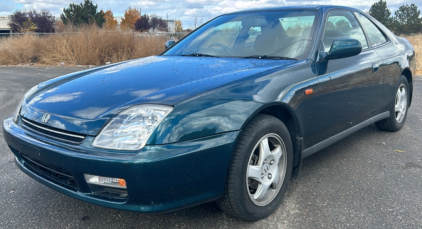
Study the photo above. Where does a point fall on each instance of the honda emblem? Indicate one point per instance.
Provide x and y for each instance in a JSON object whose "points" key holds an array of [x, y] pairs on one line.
{"points": [[45, 117]]}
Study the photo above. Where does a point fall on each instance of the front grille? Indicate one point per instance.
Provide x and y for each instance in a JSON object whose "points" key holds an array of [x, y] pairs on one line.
{"points": [[53, 133], [55, 174]]}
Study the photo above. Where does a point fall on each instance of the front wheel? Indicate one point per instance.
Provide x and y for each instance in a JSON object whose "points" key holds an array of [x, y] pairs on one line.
{"points": [[398, 110], [260, 170]]}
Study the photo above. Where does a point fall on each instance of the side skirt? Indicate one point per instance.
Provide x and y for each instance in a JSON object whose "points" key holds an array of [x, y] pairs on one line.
{"points": [[329, 141]]}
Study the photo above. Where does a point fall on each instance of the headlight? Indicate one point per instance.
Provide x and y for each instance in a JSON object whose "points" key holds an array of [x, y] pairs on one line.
{"points": [[131, 129], [18, 108]]}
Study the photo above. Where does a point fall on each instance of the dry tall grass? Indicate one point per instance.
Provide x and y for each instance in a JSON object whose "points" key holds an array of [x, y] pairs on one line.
{"points": [[85, 46], [416, 41]]}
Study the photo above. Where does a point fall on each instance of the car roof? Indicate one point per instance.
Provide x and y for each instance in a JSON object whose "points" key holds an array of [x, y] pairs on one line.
{"points": [[298, 7]]}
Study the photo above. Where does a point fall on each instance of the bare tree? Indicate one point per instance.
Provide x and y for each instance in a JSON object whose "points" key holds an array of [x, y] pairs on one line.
{"points": [[197, 22]]}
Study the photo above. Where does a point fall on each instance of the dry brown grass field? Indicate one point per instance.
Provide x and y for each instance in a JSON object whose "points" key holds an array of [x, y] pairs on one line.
{"points": [[94, 46], [416, 41], [85, 46]]}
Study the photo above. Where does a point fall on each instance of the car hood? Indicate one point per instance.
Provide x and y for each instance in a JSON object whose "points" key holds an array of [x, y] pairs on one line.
{"points": [[83, 102]]}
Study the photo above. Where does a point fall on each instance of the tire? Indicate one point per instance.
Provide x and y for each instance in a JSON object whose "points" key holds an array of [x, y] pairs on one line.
{"points": [[244, 196], [397, 116]]}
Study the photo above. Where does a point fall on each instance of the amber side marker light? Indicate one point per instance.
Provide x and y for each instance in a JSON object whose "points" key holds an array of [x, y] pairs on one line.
{"points": [[309, 91]]}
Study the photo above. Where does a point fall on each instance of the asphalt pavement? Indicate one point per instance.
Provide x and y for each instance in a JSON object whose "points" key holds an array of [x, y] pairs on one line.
{"points": [[371, 179]]}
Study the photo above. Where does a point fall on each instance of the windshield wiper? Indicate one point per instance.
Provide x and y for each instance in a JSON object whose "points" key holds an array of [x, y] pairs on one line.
{"points": [[270, 57], [198, 55]]}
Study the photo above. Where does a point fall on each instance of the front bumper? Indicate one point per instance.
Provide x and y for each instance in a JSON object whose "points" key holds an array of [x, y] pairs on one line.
{"points": [[159, 178]]}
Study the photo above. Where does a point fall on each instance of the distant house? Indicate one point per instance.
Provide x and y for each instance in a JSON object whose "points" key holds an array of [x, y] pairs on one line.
{"points": [[4, 27], [171, 26]]}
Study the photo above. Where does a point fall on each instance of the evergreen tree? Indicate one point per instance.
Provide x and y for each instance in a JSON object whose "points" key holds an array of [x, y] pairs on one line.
{"points": [[82, 14], [380, 12], [407, 20]]}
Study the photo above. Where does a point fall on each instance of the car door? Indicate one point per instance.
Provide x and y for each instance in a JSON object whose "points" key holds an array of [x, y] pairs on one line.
{"points": [[350, 88], [390, 67]]}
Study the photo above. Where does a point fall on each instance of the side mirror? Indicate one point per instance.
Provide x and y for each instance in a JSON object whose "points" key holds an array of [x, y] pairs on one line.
{"points": [[342, 48], [170, 43]]}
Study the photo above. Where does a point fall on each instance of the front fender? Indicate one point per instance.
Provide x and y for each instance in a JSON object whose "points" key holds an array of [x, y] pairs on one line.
{"points": [[230, 107], [203, 117]]}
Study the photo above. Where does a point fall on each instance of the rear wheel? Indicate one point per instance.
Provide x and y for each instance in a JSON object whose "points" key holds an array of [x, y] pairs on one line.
{"points": [[398, 110], [260, 170]]}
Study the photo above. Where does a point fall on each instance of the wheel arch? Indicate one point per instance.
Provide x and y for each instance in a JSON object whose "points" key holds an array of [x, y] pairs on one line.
{"points": [[408, 74], [285, 114]]}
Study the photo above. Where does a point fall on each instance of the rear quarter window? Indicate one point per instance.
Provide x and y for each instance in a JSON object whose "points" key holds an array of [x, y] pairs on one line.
{"points": [[375, 36]]}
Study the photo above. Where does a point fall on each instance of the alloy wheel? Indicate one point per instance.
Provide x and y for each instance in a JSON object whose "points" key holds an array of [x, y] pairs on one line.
{"points": [[400, 107], [266, 169]]}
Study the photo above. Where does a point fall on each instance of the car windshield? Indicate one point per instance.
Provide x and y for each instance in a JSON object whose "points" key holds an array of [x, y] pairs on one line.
{"points": [[284, 34]]}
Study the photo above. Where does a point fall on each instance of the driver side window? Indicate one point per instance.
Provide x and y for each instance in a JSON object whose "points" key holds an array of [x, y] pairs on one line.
{"points": [[342, 25]]}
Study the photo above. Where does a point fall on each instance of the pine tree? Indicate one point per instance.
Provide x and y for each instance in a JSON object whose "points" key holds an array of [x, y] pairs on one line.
{"points": [[407, 20], [380, 12], [82, 14]]}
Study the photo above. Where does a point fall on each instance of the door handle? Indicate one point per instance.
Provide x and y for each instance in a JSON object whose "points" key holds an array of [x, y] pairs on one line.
{"points": [[375, 67]]}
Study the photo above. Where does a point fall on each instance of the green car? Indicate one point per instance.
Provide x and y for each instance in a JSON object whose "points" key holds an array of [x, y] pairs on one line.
{"points": [[226, 114]]}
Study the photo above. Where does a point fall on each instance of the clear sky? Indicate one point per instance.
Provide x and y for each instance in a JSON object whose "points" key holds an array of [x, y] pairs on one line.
{"points": [[186, 10]]}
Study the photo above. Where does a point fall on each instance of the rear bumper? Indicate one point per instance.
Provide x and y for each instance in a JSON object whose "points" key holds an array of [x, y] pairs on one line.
{"points": [[159, 178]]}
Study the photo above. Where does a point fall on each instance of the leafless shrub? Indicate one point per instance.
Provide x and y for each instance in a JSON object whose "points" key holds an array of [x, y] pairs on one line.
{"points": [[22, 49]]}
